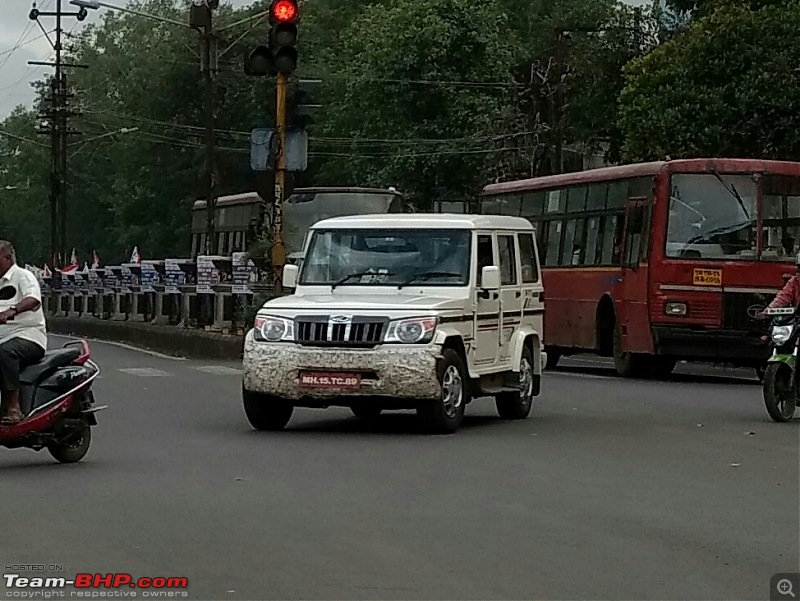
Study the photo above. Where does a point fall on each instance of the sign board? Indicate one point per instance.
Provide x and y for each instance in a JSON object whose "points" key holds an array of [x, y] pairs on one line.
{"points": [[150, 277], [244, 272], [173, 276], [264, 147]]}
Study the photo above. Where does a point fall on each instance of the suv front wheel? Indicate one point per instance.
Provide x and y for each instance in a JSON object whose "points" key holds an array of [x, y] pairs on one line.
{"points": [[444, 416]]}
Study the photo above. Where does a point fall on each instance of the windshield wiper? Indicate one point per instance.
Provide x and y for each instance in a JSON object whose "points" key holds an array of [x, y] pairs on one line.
{"points": [[732, 189], [719, 231], [429, 274], [360, 274]]}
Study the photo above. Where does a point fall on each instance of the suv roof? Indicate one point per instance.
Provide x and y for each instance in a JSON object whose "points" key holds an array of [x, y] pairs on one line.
{"points": [[426, 220]]}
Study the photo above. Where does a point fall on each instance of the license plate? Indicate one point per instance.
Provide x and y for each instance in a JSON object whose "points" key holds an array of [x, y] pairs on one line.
{"points": [[707, 277], [316, 379]]}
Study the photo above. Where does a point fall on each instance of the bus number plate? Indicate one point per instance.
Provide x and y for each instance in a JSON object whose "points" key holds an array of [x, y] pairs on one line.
{"points": [[707, 277]]}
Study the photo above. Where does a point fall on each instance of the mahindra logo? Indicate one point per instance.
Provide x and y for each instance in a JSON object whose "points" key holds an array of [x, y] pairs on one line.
{"points": [[754, 310], [341, 319]]}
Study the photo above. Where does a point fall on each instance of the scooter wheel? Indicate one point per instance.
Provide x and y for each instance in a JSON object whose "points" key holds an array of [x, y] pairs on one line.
{"points": [[779, 392], [73, 451]]}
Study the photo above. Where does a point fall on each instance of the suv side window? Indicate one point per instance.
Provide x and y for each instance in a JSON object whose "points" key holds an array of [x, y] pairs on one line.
{"points": [[485, 254], [527, 257], [508, 260]]}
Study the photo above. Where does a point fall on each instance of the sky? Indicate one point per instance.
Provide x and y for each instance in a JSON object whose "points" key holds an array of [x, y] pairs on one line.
{"points": [[21, 40]]}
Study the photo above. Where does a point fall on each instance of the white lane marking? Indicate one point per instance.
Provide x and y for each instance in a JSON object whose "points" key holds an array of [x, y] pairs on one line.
{"points": [[144, 372], [122, 345], [218, 370]]}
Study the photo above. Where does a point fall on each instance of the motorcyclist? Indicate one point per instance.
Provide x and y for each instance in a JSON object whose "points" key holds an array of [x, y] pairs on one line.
{"points": [[789, 296]]}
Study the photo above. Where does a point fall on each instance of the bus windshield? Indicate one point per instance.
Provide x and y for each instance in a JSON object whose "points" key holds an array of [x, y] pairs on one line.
{"points": [[713, 216], [433, 257]]}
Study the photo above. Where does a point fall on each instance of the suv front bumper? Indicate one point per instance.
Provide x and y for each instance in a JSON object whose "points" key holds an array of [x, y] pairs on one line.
{"points": [[399, 372]]}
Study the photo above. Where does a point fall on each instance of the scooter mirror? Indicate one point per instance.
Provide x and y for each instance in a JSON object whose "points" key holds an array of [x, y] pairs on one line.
{"points": [[8, 292]]}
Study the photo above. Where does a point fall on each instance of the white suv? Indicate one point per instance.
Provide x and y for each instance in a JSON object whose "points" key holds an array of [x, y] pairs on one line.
{"points": [[402, 311]]}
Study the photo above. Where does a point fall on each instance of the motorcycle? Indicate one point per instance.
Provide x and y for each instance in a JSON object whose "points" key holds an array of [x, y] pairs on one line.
{"points": [[780, 378], [57, 401]]}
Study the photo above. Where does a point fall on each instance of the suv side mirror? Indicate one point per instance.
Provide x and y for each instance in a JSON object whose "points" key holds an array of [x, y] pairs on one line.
{"points": [[490, 278], [290, 276]]}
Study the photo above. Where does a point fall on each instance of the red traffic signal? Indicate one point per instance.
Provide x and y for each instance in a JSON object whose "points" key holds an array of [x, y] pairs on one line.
{"points": [[284, 11]]}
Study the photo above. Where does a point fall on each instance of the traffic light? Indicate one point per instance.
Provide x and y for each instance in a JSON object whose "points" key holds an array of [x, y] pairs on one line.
{"points": [[259, 63], [283, 17]]}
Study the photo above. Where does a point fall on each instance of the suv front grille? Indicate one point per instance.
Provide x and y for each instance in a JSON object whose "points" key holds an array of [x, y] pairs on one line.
{"points": [[322, 331]]}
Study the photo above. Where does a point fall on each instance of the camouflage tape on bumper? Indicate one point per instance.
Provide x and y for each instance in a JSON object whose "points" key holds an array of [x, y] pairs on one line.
{"points": [[403, 372]]}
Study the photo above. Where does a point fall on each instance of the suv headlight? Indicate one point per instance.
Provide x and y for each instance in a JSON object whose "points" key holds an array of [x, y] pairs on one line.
{"points": [[781, 334], [417, 330], [273, 329]]}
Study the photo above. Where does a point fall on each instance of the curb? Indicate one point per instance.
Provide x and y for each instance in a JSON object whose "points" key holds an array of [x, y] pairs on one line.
{"points": [[168, 340]]}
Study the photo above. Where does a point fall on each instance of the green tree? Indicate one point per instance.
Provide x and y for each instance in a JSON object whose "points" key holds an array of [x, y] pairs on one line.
{"points": [[718, 89], [418, 97]]}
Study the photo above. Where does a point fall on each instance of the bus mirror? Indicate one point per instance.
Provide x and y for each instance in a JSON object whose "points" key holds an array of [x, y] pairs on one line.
{"points": [[490, 278], [290, 276]]}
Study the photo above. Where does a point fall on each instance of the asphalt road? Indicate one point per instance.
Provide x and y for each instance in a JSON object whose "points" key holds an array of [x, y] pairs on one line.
{"points": [[613, 489]]}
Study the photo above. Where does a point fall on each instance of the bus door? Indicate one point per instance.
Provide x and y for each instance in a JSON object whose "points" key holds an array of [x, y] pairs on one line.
{"points": [[633, 292]]}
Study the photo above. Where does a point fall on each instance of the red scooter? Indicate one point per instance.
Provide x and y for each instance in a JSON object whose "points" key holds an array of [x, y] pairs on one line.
{"points": [[57, 402]]}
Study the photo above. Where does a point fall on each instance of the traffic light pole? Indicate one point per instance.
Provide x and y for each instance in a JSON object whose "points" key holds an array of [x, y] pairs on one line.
{"points": [[278, 248], [210, 163]]}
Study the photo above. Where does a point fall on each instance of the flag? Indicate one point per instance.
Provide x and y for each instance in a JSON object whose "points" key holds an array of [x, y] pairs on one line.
{"points": [[95, 260], [47, 272], [135, 258], [73, 260], [85, 267]]}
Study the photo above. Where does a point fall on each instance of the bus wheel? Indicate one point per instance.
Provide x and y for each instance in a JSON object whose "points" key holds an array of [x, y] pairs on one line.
{"points": [[628, 365]]}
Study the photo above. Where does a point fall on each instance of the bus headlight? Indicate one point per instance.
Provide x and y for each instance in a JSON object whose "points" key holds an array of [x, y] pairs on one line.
{"points": [[678, 309], [781, 334]]}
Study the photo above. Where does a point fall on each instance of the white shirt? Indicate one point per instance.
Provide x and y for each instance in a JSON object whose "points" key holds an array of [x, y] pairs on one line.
{"points": [[29, 325]]}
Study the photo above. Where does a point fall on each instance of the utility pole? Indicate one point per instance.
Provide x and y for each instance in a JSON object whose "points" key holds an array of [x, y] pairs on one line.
{"points": [[201, 17], [59, 132]]}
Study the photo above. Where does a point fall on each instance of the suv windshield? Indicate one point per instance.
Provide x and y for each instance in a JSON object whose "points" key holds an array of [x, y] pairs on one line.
{"points": [[431, 257]]}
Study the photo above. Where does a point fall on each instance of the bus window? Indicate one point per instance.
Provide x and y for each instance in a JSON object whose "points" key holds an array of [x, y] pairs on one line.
{"points": [[611, 239], [617, 195], [576, 199], [597, 197], [510, 205], [592, 239], [533, 204], [569, 242], [554, 243]]}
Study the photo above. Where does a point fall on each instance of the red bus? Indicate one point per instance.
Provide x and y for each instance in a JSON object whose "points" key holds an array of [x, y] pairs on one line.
{"points": [[658, 262]]}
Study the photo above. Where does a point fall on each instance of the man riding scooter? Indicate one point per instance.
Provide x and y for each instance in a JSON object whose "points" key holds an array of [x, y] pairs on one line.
{"points": [[789, 296], [23, 337]]}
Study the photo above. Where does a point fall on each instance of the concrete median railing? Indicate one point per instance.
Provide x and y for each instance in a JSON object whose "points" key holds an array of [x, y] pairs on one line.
{"points": [[173, 314]]}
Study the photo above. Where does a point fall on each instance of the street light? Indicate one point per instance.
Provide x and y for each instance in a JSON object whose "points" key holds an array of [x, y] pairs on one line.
{"points": [[96, 5]]}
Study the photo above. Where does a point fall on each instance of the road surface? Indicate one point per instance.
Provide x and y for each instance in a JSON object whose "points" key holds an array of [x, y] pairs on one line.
{"points": [[613, 489]]}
